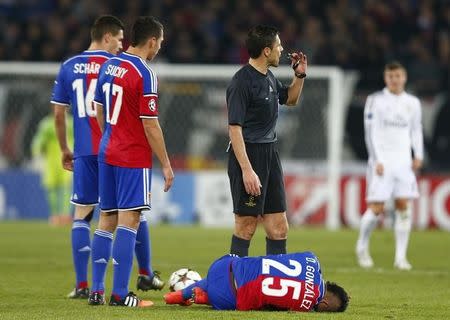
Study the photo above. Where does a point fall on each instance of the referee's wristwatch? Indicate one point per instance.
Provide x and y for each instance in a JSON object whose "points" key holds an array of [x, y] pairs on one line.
{"points": [[300, 75]]}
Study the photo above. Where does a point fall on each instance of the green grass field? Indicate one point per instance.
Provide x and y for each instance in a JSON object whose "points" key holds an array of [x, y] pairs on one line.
{"points": [[36, 273]]}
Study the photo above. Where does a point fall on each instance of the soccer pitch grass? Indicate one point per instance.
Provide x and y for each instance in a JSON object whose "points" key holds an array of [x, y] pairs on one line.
{"points": [[36, 273]]}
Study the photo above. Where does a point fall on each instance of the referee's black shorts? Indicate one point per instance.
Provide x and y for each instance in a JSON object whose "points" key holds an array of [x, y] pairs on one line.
{"points": [[266, 163]]}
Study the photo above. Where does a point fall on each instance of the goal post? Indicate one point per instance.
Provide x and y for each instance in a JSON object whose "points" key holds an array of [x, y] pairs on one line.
{"points": [[193, 115]]}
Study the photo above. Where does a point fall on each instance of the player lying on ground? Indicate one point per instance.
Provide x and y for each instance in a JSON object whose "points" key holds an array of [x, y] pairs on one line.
{"points": [[274, 282]]}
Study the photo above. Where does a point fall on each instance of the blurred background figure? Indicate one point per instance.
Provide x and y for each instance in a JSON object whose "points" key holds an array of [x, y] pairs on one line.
{"points": [[56, 180]]}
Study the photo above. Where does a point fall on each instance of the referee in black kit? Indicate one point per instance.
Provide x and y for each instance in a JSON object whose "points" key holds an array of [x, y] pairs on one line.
{"points": [[254, 168]]}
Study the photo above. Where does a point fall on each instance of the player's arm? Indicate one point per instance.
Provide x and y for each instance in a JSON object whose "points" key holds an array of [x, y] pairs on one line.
{"points": [[296, 87], [60, 100], [372, 125], [417, 138], [251, 180], [99, 116], [60, 128], [238, 98], [98, 101], [155, 139]]}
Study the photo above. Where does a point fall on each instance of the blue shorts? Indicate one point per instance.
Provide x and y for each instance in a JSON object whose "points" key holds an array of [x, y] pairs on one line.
{"points": [[124, 188], [220, 290], [85, 181]]}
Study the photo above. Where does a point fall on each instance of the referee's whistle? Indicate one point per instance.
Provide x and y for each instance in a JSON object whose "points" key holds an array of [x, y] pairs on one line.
{"points": [[295, 65]]}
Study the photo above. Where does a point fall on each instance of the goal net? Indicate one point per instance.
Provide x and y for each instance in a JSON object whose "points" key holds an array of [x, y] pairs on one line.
{"points": [[193, 115]]}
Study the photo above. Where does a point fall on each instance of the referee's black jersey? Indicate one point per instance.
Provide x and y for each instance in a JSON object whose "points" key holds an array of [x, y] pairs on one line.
{"points": [[253, 99]]}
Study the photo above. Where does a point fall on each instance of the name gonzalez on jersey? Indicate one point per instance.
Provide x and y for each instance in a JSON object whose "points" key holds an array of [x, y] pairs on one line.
{"points": [[87, 68], [308, 298]]}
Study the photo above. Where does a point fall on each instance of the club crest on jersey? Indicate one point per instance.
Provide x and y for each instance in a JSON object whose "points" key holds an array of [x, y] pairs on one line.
{"points": [[152, 104]]}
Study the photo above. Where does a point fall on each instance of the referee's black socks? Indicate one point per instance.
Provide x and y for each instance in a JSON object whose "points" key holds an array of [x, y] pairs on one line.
{"points": [[239, 246], [275, 246]]}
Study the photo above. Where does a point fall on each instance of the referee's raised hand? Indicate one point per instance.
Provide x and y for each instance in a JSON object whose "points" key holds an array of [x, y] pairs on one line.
{"points": [[251, 182], [299, 62]]}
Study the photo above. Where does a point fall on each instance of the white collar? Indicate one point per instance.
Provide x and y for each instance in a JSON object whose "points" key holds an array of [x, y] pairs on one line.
{"points": [[386, 91]]}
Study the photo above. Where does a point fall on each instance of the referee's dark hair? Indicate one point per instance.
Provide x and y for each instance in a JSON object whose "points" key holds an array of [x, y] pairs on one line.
{"points": [[145, 28], [258, 38], [105, 24]]}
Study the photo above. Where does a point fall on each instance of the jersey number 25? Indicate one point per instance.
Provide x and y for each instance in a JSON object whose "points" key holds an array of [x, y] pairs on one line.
{"points": [[285, 284]]}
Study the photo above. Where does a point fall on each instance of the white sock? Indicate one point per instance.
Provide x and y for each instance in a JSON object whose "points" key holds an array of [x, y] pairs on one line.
{"points": [[402, 229], [368, 222]]}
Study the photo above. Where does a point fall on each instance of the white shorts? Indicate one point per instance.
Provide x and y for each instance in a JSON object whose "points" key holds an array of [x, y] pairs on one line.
{"points": [[397, 182]]}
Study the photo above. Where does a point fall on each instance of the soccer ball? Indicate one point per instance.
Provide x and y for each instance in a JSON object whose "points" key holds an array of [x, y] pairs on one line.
{"points": [[182, 278]]}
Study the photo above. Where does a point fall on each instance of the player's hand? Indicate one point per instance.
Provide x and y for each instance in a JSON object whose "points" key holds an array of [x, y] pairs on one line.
{"points": [[168, 177], [417, 165], [379, 169], [67, 160], [300, 60], [251, 182]]}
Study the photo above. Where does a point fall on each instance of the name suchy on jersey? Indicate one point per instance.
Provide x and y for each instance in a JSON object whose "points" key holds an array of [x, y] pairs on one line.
{"points": [[286, 282], [127, 89], [75, 86]]}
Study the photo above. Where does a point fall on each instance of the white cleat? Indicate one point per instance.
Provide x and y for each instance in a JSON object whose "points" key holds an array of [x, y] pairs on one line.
{"points": [[364, 259], [403, 265]]}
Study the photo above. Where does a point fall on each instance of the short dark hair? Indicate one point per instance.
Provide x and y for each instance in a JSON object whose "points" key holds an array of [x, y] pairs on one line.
{"points": [[258, 38], [394, 65], [340, 293], [105, 24], [145, 28]]}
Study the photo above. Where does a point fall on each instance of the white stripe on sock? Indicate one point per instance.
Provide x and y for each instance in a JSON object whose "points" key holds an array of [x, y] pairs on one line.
{"points": [[127, 229]]}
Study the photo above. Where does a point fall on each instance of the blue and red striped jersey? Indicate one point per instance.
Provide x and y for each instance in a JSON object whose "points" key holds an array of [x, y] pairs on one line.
{"points": [[127, 88], [283, 282], [75, 86]]}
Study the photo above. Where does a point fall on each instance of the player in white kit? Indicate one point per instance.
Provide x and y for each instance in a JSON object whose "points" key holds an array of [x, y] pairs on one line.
{"points": [[392, 122]]}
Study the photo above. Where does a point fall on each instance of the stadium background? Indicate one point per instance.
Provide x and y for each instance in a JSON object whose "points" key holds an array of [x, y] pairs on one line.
{"points": [[358, 37]]}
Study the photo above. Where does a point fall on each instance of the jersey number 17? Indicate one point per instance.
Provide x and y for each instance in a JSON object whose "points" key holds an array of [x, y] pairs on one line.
{"points": [[117, 91]]}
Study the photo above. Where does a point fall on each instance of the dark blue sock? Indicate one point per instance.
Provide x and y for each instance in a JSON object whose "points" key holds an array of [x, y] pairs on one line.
{"points": [[101, 252], [81, 248], [239, 246], [123, 259], [143, 248], [187, 292], [275, 246]]}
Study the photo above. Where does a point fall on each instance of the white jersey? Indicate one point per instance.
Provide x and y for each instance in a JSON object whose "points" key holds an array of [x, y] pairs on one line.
{"points": [[393, 125]]}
